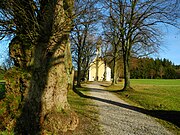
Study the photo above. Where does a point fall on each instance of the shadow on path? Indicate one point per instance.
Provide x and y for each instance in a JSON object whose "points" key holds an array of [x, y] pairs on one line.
{"points": [[169, 116]]}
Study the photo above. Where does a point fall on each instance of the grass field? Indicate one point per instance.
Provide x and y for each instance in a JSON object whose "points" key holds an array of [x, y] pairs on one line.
{"points": [[170, 82], [157, 95], [2, 81]]}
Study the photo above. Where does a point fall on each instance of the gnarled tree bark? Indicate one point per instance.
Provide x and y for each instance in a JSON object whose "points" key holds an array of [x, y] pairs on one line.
{"points": [[45, 108]]}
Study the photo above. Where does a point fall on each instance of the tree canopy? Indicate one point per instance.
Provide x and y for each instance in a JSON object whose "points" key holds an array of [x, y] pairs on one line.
{"points": [[136, 26]]}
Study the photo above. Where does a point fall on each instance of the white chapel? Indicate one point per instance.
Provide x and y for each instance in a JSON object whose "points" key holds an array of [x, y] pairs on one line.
{"points": [[99, 71]]}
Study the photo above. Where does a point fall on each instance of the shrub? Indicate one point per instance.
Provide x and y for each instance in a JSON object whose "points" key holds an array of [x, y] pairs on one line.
{"points": [[16, 88]]}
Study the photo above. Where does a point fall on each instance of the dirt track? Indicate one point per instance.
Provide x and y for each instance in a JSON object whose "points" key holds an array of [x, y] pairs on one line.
{"points": [[117, 117]]}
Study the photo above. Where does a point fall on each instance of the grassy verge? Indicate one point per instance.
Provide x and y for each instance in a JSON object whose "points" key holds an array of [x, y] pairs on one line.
{"points": [[2, 81], [159, 96], [87, 113]]}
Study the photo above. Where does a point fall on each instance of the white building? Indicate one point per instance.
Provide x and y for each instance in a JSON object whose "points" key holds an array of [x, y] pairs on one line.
{"points": [[99, 71]]}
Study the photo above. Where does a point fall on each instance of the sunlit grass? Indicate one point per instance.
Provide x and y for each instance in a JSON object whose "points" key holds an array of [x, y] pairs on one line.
{"points": [[171, 82], [163, 95], [2, 81]]}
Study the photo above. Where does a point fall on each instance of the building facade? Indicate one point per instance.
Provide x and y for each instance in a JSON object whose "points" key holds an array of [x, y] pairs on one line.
{"points": [[98, 71]]}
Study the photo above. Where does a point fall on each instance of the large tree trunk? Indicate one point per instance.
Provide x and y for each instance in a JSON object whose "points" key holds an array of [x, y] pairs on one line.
{"points": [[126, 60], [114, 81], [46, 108], [79, 68]]}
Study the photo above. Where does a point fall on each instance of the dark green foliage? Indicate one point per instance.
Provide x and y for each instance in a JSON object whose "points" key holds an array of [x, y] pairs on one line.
{"points": [[148, 68], [177, 68]]}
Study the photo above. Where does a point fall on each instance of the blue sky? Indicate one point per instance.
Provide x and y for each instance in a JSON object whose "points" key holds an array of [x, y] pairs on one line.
{"points": [[3, 50], [171, 45], [170, 48]]}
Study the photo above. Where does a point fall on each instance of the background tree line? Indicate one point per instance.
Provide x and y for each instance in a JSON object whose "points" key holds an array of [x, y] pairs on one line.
{"points": [[145, 68], [148, 68]]}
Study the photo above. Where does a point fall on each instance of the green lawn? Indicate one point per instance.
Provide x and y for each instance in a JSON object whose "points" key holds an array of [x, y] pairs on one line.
{"points": [[171, 82], [2, 81], [156, 95]]}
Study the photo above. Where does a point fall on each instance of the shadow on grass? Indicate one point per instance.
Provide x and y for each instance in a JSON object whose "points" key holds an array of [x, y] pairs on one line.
{"points": [[169, 116]]}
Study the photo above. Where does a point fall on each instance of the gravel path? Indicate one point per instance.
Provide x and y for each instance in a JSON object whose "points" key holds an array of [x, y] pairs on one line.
{"points": [[119, 118]]}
